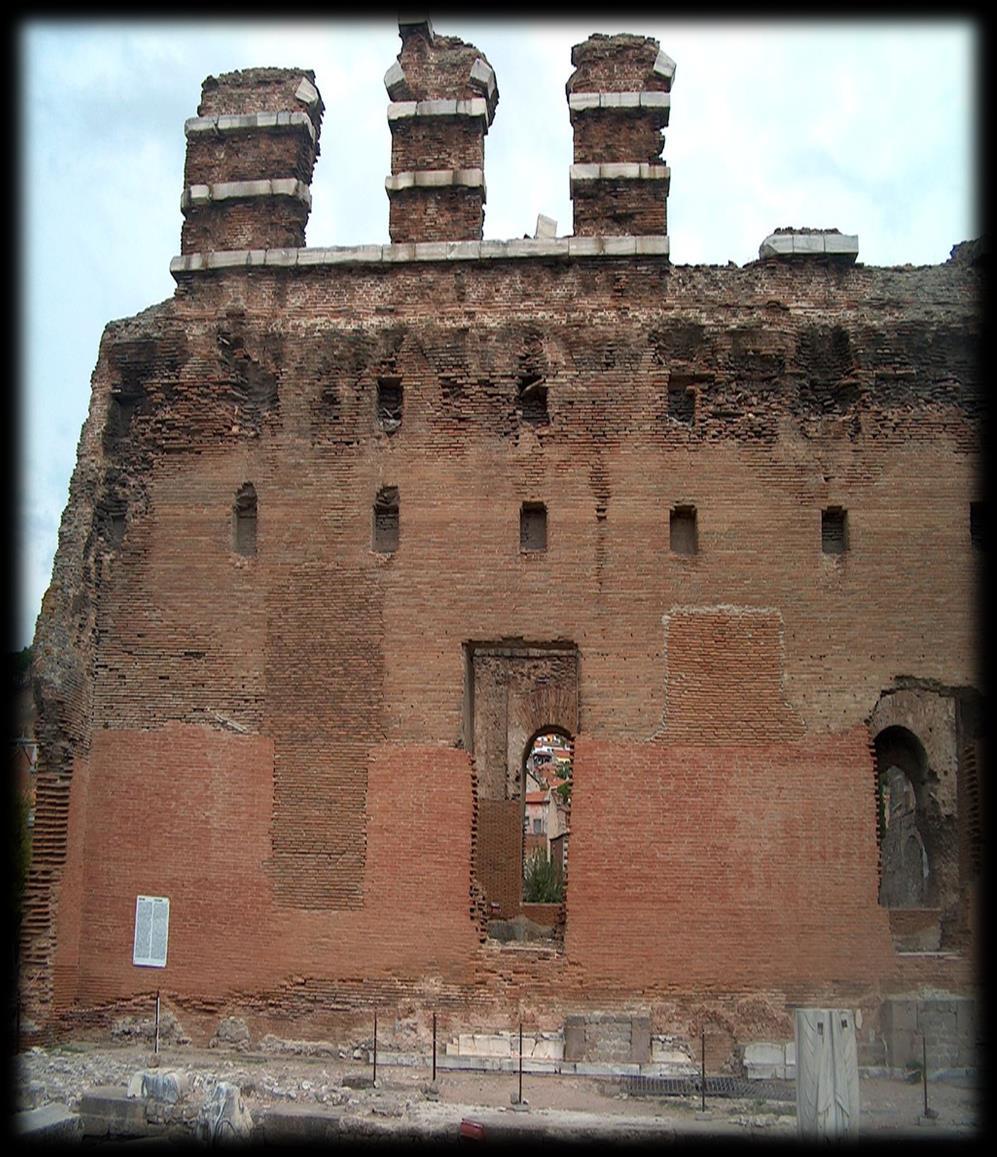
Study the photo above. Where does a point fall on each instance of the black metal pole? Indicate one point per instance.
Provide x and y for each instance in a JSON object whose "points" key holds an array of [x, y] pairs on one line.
{"points": [[924, 1072], [520, 1062], [157, 1021], [702, 1072], [375, 1045], [434, 1046]]}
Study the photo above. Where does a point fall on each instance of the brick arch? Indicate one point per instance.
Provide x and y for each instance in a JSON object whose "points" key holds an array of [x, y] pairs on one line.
{"points": [[546, 729]]}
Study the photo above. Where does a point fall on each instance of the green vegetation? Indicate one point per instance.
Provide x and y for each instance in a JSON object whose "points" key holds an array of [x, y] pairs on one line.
{"points": [[542, 883]]}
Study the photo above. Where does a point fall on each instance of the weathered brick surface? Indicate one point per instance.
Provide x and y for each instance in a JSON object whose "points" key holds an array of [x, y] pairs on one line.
{"points": [[607, 136], [623, 63], [299, 747], [609, 208], [438, 68], [255, 90], [436, 142], [450, 214], [252, 155], [278, 152]]}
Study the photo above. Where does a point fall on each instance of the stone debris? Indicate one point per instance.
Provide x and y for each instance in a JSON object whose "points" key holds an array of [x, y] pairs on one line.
{"points": [[224, 1117]]}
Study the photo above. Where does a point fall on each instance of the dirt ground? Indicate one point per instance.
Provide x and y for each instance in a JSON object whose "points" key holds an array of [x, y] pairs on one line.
{"points": [[559, 1104]]}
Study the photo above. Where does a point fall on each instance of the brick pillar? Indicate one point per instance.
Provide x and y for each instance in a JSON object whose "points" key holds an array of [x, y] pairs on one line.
{"points": [[618, 101], [251, 150], [443, 97]]}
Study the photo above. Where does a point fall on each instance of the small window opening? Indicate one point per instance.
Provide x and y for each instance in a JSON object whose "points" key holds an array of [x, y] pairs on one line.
{"points": [[116, 528], [533, 526], [386, 520], [389, 404], [245, 520], [532, 399], [833, 530], [976, 525], [681, 402], [682, 530]]}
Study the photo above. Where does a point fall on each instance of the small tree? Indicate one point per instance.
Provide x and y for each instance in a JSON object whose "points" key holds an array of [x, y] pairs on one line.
{"points": [[542, 883]]}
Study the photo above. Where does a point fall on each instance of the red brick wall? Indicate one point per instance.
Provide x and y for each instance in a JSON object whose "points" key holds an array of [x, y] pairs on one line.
{"points": [[252, 155], [449, 214], [436, 142], [605, 136], [725, 866], [276, 740], [185, 812], [609, 208]]}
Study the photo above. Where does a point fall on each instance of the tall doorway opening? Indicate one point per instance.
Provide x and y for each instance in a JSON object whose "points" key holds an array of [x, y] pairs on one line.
{"points": [[520, 716], [547, 783]]}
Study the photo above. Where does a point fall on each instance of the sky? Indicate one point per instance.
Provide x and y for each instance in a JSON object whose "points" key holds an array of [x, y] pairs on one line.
{"points": [[867, 126]]}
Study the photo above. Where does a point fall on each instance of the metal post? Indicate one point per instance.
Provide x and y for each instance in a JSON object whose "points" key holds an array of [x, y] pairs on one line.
{"points": [[924, 1073], [375, 1046], [520, 1062], [157, 1021], [434, 1046], [702, 1076]]}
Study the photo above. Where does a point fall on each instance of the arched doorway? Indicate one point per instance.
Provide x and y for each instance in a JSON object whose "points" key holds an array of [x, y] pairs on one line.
{"points": [[546, 793], [515, 692], [905, 869]]}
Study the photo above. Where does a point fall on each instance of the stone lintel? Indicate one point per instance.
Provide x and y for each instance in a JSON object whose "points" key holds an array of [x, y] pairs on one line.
{"points": [[415, 23], [435, 179], [664, 66], [249, 122], [810, 245], [307, 93], [394, 80], [395, 254], [586, 101], [409, 109], [619, 171], [482, 78], [197, 196]]}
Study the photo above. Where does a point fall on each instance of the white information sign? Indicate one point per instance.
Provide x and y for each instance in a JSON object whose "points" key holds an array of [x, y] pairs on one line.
{"points": [[152, 931]]}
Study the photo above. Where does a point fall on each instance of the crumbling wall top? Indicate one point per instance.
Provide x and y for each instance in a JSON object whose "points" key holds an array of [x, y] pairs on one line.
{"points": [[620, 63], [433, 67], [256, 90]]}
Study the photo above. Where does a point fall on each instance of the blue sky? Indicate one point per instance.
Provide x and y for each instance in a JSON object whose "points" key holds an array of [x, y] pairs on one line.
{"points": [[868, 126]]}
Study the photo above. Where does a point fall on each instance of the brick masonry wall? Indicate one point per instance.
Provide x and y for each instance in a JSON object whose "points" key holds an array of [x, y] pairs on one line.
{"points": [[616, 64], [285, 732], [253, 155], [455, 214], [609, 208], [249, 223], [605, 136], [715, 867], [437, 71], [254, 90], [437, 143]]}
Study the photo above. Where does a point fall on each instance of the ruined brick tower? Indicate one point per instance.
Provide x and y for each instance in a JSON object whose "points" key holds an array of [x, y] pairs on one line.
{"points": [[443, 97], [352, 529], [251, 150], [618, 97]]}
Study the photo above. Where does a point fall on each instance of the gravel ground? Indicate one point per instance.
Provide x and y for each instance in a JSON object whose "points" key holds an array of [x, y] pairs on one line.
{"points": [[889, 1108]]}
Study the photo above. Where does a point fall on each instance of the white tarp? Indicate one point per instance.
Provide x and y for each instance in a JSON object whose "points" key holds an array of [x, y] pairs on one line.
{"points": [[827, 1073]]}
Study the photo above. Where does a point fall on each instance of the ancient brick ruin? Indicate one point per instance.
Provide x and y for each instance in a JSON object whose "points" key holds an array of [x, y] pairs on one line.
{"points": [[350, 527]]}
